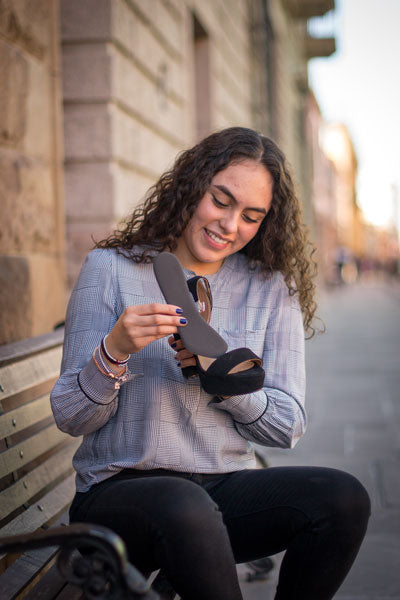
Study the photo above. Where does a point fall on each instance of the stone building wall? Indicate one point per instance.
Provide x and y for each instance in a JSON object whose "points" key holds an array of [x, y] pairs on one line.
{"points": [[142, 81], [32, 275], [289, 92]]}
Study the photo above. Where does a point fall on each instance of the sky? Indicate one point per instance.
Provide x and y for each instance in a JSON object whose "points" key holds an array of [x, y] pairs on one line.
{"points": [[359, 86]]}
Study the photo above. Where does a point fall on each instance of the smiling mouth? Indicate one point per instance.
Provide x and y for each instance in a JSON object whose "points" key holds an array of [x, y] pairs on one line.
{"points": [[215, 237]]}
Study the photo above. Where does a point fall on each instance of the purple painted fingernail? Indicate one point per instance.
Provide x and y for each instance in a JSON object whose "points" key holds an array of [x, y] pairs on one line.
{"points": [[179, 311], [173, 345], [183, 321], [178, 364]]}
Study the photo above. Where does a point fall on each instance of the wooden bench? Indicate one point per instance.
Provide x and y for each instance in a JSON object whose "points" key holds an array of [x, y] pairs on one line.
{"points": [[36, 489]]}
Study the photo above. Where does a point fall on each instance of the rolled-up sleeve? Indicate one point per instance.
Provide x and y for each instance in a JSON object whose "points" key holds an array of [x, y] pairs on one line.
{"points": [[275, 415]]}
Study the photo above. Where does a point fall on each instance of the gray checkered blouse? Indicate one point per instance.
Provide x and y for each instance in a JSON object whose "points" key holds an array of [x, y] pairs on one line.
{"points": [[159, 419]]}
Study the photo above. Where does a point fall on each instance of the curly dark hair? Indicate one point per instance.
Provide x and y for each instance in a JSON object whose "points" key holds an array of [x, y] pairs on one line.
{"points": [[281, 242]]}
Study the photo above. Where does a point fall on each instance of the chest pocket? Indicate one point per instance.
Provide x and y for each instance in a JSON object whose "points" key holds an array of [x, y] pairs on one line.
{"points": [[252, 339]]}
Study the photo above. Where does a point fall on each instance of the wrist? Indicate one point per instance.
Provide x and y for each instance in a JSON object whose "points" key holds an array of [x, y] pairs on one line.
{"points": [[112, 352], [117, 370], [111, 372]]}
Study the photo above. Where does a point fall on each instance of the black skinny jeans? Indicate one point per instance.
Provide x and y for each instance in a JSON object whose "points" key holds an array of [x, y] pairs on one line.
{"points": [[196, 527]]}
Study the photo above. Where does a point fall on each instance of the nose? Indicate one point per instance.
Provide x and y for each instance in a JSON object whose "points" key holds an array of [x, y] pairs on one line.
{"points": [[230, 222]]}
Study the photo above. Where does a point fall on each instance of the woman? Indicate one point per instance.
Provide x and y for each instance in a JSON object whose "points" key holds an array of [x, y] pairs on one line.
{"points": [[164, 464]]}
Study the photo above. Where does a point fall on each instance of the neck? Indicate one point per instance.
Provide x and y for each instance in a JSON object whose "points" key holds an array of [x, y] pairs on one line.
{"points": [[200, 268]]}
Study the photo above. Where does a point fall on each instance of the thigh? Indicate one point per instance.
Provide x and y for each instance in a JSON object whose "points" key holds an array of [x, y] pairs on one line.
{"points": [[143, 510], [264, 509]]}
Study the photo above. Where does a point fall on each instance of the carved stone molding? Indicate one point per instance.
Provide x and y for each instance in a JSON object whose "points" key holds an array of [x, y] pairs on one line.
{"points": [[305, 9], [13, 30], [14, 90]]}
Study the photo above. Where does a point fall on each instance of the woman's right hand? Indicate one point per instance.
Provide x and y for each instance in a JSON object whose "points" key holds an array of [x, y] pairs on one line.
{"points": [[142, 324]]}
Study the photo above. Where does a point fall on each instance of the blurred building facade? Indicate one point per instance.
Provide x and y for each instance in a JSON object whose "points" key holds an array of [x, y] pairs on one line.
{"points": [[98, 98], [339, 221], [323, 197], [347, 246]]}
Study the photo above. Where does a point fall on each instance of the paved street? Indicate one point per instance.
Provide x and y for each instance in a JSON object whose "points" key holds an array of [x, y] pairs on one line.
{"points": [[353, 403]]}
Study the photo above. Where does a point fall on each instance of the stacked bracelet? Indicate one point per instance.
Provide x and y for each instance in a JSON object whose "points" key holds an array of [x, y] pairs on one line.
{"points": [[110, 358], [106, 365], [118, 378]]}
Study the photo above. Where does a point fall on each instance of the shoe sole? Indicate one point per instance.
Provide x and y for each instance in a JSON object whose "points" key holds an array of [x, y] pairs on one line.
{"points": [[197, 336]]}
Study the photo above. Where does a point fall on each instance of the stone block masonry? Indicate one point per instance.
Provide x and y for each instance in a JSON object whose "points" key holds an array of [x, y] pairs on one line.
{"points": [[32, 274]]}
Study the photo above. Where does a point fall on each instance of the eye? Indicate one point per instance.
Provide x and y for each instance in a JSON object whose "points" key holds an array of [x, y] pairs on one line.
{"points": [[249, 220], [217, 202]]}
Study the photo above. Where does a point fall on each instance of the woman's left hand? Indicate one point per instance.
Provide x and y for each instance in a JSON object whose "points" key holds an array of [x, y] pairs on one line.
{"points": [[182, 356]]}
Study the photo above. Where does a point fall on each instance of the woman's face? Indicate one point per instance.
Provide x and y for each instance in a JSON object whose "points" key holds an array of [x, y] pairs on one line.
{"points": [[227, 217]]}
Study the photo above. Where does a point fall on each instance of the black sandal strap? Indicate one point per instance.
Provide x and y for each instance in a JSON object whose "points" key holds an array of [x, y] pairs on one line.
{"points": [[234, 384], [225, 363], [193, 285], [218, 380]]}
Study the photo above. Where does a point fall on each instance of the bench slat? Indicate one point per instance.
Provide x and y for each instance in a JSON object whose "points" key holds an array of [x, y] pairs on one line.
{"points": [[16, 351], [21, 454], [27, 370], [24, 416], [70, 592], [22, 571], [29, 485], [18, 575], [49, 586], [42, 511], [27, 373]]}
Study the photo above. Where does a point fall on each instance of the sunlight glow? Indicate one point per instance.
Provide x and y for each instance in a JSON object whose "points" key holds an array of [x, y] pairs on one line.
{"points": [[359, 86]]}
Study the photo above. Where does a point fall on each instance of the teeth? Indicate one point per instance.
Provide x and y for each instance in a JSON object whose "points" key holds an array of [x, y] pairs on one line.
{"points": [[215, 237]]}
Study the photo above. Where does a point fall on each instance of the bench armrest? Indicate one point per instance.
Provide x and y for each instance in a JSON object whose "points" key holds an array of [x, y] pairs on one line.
{"points": [[91, 557]]}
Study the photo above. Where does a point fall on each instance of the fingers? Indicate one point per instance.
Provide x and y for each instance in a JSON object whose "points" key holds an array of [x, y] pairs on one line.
{"points": [[154, 314], [179, 348], [183, 357], [142, 324], [157, 319], [189, 362], [175, 344], [156, 308], [154, 325]]}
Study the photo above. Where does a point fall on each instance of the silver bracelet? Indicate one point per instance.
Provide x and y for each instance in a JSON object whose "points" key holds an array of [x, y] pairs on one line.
{"points": [[108, 356], [104, 364], [118, 378]]}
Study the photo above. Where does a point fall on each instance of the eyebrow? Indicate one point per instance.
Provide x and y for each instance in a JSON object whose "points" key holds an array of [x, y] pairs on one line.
{"points": [[228, 193]]}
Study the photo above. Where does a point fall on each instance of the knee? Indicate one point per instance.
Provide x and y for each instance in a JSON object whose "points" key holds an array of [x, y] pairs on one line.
{"points": [[348, 500], [190, 509], [353, 495]]}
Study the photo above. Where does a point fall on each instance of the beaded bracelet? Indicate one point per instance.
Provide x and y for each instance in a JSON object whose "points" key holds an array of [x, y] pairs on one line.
{"points": [[108, 356]]}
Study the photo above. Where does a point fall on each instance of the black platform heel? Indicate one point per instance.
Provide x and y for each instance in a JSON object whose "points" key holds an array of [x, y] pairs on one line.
{"points": [[221, 373]]}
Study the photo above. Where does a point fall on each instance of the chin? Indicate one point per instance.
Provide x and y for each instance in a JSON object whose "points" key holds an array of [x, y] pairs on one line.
{"points": [[212, 256]]}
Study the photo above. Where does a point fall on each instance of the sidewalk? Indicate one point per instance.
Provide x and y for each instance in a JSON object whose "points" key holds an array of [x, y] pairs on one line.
{"points": [[353, 403]]}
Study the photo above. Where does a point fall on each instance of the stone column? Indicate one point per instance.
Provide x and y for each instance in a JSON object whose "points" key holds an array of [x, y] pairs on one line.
{"points": [[125, 88], [32, 275]]}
